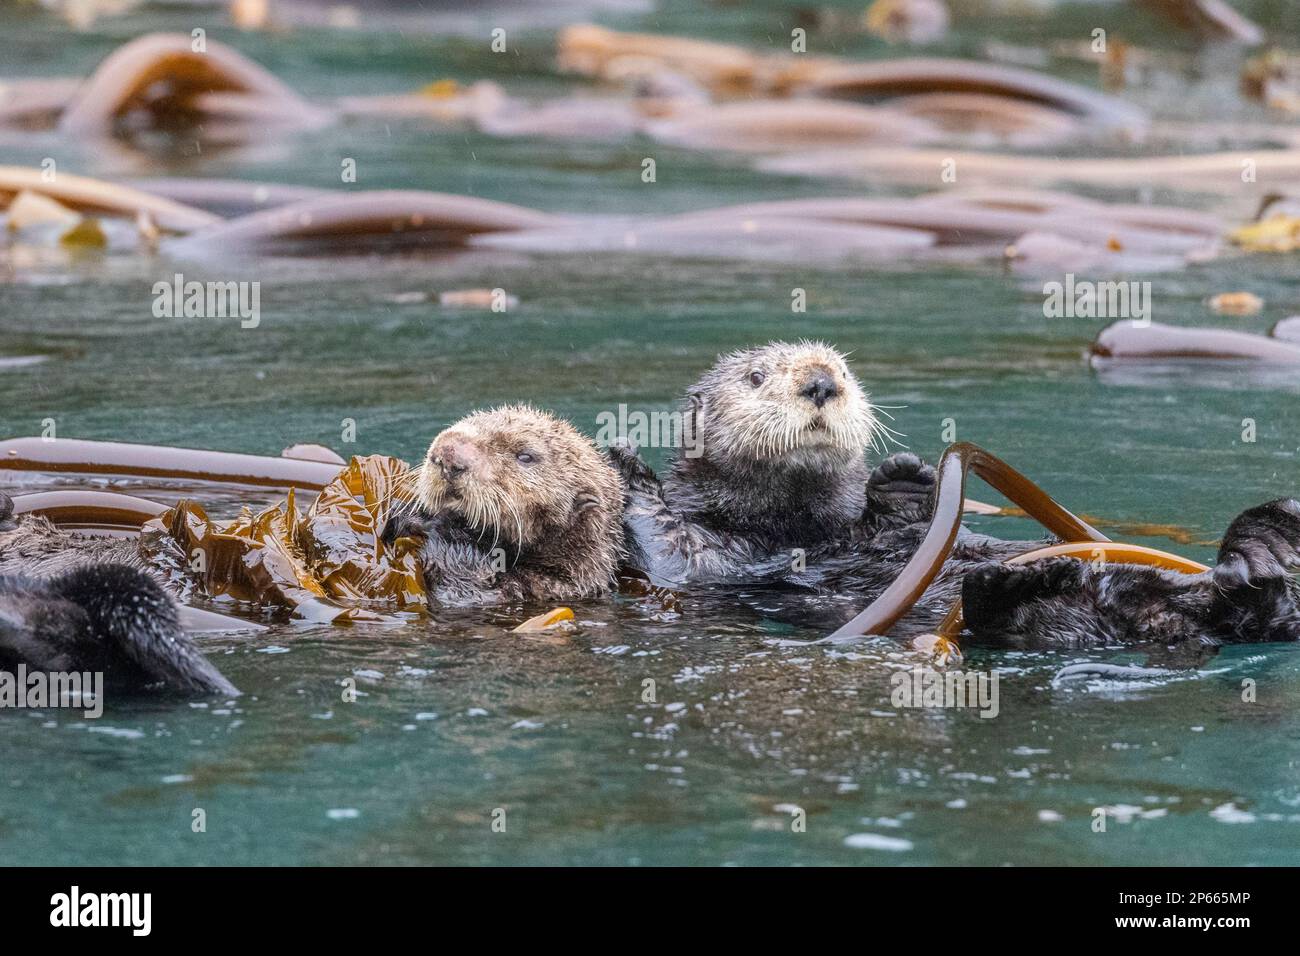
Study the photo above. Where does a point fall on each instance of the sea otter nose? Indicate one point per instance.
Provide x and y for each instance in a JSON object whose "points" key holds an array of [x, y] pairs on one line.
{"points": [[454, 458], [820, 389]]}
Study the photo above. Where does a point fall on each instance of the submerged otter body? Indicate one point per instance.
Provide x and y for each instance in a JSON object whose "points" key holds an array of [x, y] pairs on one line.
{"points": [[513, 504], [105, 618], [72, 602], [771, 501], [1249, 595], [31, 545], [1063, 602]]}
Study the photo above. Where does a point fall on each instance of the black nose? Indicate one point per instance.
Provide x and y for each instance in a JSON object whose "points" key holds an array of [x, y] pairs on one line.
{"points": [[820, 389], [451, 470]]}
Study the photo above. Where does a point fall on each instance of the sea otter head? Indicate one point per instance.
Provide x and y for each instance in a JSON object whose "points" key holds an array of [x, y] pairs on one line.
{"points": [[524, 478], [783, 403]]}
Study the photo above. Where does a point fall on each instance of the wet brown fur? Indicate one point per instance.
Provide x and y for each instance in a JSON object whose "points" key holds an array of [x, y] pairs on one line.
{"points": [[518, 505]]}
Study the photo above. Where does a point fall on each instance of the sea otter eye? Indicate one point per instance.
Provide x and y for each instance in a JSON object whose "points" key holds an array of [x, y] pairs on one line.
{"points": [[757, 378], [525, 458]]}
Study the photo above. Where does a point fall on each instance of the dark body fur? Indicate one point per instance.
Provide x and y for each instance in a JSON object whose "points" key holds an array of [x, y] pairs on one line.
{"points": [[31, 545], [460, 569], [1249, 594], [107, 618], [73, 602], [1059, 602]]}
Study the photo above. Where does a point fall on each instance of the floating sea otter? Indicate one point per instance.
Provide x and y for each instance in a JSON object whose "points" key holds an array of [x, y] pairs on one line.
{"points": [[101, 617], [514, 504], [784, 431], [511, 504]]}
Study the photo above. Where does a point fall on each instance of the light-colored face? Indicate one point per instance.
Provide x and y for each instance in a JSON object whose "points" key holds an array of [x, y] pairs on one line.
{"points": [[517, 473], [789, 402]]}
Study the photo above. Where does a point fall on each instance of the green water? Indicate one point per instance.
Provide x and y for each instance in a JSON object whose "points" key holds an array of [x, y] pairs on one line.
{"points": [[458, 719]]}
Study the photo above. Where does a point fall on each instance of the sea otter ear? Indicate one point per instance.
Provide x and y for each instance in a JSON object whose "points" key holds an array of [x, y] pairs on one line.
{"points": [[695, 409], [585, 500], [695, 401]]}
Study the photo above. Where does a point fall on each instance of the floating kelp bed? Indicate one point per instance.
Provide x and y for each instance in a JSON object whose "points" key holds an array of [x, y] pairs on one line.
{"points": [[71, 455], [972, 89], [171, 82], [409, 216], [94, 196], [1275, 169], [326, 564], [1033, 230], [1133, 341]]}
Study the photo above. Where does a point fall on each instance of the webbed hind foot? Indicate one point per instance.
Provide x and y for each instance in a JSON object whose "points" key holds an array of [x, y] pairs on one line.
{"points": [[1261, 547], [1255, 597]]}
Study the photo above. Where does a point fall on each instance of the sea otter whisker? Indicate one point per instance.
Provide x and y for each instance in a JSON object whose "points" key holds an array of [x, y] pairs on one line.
{"points": [[880, 435], [404, 485], [519, 527], [496, 519], [481, 516], [887, 433], [402, 508]]}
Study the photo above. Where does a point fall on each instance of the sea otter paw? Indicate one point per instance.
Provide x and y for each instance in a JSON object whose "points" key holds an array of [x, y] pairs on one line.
{"points": [[1261, 546], [404, 524], [992, 593], [900, 490], [903, 473], [636, 474]]}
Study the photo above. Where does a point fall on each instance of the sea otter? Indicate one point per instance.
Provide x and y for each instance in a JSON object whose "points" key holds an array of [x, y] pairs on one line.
{"points": [[510, 504], [33, 546], [1249, 594], [513, 504], [105, 618], [73, 602], [780, 494], [778, 467]]}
